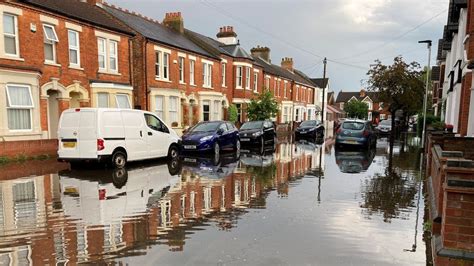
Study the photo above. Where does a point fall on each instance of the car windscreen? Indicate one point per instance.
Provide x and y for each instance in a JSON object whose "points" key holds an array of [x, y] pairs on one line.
{"points": [[205, 127], [310, 123], [353, 125], [252, 125], [386, 122]]}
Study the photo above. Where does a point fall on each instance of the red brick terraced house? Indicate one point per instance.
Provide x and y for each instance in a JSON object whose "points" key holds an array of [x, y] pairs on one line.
{"points": [[174, 77], [55, 55], [377, 110]]}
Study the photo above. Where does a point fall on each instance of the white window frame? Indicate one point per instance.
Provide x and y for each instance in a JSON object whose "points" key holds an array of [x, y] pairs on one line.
{"points": [[255, 81], [160, 112], [114, 56], [223, 76], [239, 77], [108, 100], [29, 107], [181, 62], [102, 53], [158, 64], [172, 112], [216, 111], [117, 102], [247, 78], [75, 47], [166, 66], [192, 65], [267, 83], [53, 41], [278, 87], [14, 35], [207, 75], [284, 89], [297, 92]]}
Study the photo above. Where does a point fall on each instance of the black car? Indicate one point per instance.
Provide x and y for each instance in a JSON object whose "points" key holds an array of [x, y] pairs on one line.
{"points": [[257, 132], [310, 129]]}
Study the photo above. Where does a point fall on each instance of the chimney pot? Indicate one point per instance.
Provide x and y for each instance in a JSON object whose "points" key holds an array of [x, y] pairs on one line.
{"points": [[227, 35], [175, 21]]}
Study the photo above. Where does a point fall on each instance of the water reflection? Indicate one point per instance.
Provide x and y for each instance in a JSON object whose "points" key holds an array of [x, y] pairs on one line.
{"points": [[174, 212]]}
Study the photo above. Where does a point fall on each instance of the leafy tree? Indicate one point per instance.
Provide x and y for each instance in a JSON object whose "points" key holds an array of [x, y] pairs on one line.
{"points": [[400, 86], [263, 107], [233, 113], [356, 109]]}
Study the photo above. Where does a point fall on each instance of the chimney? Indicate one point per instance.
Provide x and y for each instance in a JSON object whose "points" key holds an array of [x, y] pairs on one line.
{"points": [[174, 20], [227, 35], [262, 52], [287, 63], [362, 93], [94, 2]]}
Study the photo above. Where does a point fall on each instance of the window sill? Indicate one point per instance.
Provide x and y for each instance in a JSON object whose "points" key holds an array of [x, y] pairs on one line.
{"points": [[109, 73], [182, 83], [239, 88], [52, 64], [16, 58], [163, 80], [76, 67], [193, 85]]}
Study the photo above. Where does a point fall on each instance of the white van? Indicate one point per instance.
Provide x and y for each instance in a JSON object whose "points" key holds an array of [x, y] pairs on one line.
{"points": [[114, 135]]}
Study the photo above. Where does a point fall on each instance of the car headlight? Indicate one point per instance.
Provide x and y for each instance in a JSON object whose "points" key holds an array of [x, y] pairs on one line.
{"points": [[312, 129], [206, 138], [256, 134]]}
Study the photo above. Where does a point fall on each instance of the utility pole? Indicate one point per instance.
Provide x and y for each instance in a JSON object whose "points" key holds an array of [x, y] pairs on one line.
{"points": [[425, 102], [323, 115]]}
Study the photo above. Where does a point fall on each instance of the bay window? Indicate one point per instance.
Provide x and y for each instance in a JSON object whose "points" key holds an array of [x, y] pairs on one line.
{"points": [[50, 40], [10, 34], [103, 100], [19, 107], [74, 51], [173, 110], [122, 101], [255, 82], [159, 106], [216, 109], [247, 78]]}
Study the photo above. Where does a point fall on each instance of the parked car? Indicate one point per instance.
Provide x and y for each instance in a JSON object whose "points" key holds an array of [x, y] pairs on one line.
{"points": [[384, 127], [211, 136], [215, 166], [310, 129], [356, 132], [257, 132], [354, 161], [116, 136]]}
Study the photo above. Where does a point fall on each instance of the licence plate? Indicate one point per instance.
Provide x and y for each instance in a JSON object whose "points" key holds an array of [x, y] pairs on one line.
{"points": [[69, 144], [245, 139], [352, 142], [302, 132], [190, 147], [190, 160]]}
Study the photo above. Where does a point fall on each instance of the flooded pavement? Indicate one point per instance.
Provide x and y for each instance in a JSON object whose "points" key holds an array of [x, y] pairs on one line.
{"points": [[302, 203]]}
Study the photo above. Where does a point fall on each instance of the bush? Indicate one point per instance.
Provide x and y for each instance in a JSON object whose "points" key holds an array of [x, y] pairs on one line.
{"points": [[233, 113], [431, 120]]}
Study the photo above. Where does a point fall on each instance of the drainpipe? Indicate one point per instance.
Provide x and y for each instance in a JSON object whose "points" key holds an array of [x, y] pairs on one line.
{"points": [[146, 75]]}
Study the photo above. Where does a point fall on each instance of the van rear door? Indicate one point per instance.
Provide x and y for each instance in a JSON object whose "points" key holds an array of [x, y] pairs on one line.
{"points": [[88, 134], [78, 134]]}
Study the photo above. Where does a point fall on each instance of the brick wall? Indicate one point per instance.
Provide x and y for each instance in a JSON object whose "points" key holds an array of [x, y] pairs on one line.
{"points": [[30, 148], [464, 104]]}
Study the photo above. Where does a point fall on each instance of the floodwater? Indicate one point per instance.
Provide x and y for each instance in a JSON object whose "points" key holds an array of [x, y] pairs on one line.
{"points": [[302, 204]]}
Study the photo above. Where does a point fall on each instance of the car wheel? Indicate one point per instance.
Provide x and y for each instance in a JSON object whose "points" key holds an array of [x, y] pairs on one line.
{"points": [[173, 152], [237, 146], [217, 148], [119, 159], [262, 142]]}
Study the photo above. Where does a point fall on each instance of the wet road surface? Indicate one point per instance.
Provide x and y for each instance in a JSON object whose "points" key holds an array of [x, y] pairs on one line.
{"points": [[302, 203]]}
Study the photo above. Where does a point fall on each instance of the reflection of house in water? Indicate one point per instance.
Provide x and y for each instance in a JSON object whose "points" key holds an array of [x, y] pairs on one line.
{"points": [[93, 216]]}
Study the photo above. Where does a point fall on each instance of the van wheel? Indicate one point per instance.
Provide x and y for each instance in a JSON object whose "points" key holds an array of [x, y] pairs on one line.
{"points": [[119, 159], [173, 152]]}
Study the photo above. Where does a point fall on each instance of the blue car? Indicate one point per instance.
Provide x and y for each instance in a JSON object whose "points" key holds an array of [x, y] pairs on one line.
{"points": [[212, 136], [356, 132]]}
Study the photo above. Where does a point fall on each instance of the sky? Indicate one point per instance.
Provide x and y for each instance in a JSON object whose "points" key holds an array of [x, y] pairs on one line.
{"points": [[350, 33]]}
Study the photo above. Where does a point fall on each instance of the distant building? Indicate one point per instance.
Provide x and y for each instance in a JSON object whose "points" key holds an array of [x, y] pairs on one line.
{"points": [[377, 110]]}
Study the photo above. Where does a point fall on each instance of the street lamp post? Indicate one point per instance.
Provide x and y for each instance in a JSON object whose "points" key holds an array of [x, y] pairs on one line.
{"points": [[425, 102]]}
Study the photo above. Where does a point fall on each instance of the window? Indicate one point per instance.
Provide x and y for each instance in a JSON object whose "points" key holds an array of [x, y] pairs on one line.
{"points": [[284, 89], [74, 52], [173, 109], [102, 53], [10, 34], [304, 94], [224, 65], [216, 109], [102, 100], [297, 114], [122, 101], [155, 124], [159, 106], [207, 75], [267, 83], [297, 91], [255, 82], [50, 40], [166, 64], [158, 64], [382, 116], [285, 115], [238, 79], [247, 78], [181, 69], [278, 88], [205, 110], [192, 63], [113, 65], [19, 107]]}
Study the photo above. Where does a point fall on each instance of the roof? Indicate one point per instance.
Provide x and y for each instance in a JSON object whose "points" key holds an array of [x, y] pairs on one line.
{"points": [[435, 72], [275, 70], [346, 96], [156, 31], [236, 51], [211, 45], [81, 11], [334, 109], [321, 82]]}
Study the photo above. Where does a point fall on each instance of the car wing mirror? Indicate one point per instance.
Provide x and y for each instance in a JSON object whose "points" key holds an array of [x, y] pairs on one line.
{"points": [[220, 131]]}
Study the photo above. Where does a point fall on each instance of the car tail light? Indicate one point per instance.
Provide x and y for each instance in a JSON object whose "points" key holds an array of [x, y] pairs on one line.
{"points": [[366, 133], [77, 110], [339, 130], [102, 194], [100, 144]]}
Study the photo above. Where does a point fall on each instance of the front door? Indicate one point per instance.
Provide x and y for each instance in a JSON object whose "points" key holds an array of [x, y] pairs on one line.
{"points": [[157, 137]]}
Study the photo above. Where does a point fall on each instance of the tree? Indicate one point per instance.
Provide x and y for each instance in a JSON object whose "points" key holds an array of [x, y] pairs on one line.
{"points": [[233, 113], [400, 86], [263, 107], [356, 109]]}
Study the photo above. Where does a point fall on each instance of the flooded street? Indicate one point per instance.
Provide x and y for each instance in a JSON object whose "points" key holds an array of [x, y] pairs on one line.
{"points": [[303, 203]]}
